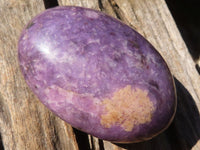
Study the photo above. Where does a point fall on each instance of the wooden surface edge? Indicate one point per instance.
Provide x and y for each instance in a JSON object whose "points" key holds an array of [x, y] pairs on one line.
{"points": [[26, 124]]}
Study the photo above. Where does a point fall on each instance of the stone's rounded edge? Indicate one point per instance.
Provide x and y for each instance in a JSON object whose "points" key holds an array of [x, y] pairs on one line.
{"points": [[93, 16]]}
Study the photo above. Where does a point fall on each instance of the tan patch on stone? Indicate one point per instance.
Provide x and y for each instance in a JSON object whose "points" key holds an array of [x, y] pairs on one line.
{"points": [[127, 108]]}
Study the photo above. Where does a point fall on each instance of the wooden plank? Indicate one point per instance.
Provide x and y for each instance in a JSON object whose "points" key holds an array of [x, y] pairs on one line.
{"points": [[153, 20], [24, 122]]}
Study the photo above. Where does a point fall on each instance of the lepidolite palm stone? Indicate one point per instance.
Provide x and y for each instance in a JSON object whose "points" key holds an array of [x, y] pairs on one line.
{"points": [[97, 74]]}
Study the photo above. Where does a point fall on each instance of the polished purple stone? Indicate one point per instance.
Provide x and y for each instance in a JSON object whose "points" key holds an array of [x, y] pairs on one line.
{"points": [[81, 63]]}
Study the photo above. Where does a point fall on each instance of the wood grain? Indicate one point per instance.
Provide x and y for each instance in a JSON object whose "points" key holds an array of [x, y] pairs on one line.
{"points": [[152, 19], [26, 124]]}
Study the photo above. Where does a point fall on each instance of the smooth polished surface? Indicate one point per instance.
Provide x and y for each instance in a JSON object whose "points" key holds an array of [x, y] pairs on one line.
{"points": [[97, 74]]}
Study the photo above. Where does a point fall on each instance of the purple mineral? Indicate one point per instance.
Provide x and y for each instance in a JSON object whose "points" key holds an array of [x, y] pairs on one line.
{"points": [[97, 74]]}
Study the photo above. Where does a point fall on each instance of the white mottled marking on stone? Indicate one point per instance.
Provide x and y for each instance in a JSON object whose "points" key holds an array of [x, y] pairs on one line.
{"points": [[125, 44], [66, 57], [66, 16], [103, 48], [58, 76], [74, 13], [129, 52], [150, 58], [126, 49], [137, 56], [110, 62], [130, 62], [91, 14], [153, 73], [94, 41], [88, 76]]}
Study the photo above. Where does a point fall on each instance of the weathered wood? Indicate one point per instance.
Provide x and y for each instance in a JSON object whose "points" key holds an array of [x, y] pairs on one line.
{"points": [[26, 124], [153, 20]]}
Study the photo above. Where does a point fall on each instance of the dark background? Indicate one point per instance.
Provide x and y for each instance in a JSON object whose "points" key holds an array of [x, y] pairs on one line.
{"points": [[186, 14]]}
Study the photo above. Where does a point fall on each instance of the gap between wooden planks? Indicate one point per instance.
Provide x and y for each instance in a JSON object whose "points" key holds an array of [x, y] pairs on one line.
{"points": [[26, 124]]}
